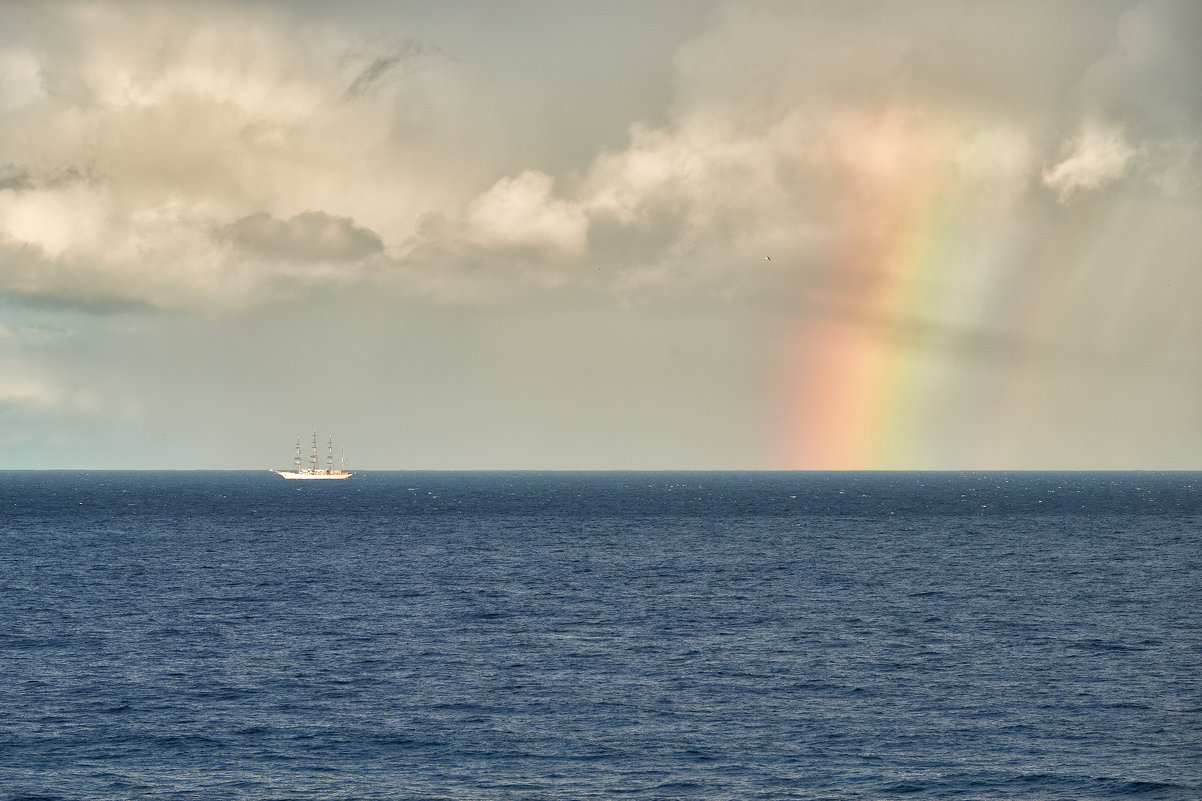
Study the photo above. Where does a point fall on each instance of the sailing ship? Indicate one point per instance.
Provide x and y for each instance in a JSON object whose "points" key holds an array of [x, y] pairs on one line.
{"points": [[312, 471]]}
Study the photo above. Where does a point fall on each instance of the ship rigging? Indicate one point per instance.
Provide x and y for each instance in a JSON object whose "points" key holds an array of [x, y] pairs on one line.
{"points": [[311, 471]]}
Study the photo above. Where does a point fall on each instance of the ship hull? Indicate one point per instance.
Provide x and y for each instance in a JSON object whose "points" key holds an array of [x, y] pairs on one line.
{"points": [[293, 475]]}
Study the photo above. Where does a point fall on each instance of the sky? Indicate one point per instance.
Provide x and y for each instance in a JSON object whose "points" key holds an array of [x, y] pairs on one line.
{"points": [[619, 235]]}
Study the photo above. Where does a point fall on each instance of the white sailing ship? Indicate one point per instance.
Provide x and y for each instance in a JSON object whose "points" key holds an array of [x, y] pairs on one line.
{"points": [[312, 471]]}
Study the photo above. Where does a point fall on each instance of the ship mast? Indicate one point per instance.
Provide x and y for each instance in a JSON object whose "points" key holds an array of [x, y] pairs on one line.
{"points": [[312, 470]]}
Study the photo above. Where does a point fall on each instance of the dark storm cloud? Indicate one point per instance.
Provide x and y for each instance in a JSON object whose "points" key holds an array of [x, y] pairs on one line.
{"points": [[309, 236]]}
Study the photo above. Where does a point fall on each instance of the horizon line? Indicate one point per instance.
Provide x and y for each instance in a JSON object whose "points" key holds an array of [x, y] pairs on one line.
{"points": [[620, 470]]}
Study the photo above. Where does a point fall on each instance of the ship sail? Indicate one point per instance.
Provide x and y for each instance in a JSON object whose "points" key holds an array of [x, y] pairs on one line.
{"points": [[312, 471]]}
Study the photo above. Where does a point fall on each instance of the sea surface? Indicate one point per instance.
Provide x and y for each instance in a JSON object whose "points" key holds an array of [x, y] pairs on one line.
{"points": [[435, 635]]}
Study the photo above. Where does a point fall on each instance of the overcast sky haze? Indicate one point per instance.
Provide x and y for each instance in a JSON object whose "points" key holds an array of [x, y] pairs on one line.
{"points": [[619, 235]]}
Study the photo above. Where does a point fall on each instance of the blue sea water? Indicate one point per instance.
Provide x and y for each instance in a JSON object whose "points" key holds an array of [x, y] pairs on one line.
{"points": [[601, 635]]}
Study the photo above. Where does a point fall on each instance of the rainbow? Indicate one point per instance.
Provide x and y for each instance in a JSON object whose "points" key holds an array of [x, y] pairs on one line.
{"points": [[914, 260]]}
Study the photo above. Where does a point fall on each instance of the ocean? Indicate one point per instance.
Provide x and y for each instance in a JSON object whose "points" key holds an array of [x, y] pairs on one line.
{"points": [[527, 635]]}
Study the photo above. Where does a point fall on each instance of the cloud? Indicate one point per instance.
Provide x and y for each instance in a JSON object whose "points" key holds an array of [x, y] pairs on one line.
{"points": [[14, 178], [309, 236], [374, 65], [829, 137], [187, 156], [151, 130], [522, 212], [1096, 157]]}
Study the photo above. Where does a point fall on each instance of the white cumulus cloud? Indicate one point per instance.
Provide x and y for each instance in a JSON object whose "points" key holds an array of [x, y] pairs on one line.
{"points": [[1098, 156], [523, 212]]}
